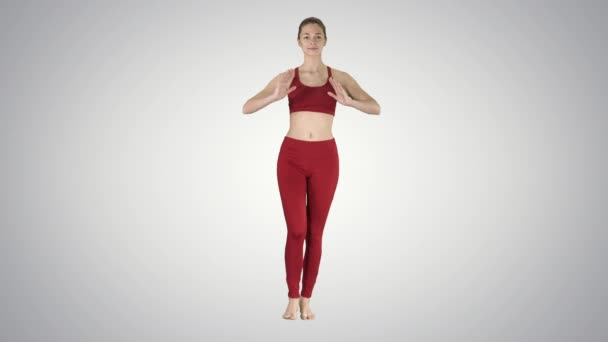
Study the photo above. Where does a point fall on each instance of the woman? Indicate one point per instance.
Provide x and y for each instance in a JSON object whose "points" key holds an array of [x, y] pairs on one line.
{"points": [[308, 162]]}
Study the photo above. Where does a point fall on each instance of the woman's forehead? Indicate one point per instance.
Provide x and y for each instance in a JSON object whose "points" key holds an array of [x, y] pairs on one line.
{"points": [[311, 28]]}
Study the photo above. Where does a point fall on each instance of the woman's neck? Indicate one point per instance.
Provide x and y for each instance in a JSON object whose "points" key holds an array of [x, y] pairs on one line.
{"points": [[312, 63]]}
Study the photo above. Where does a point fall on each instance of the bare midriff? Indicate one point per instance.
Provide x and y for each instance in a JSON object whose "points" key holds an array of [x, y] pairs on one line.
{"points": [[310, 126]]}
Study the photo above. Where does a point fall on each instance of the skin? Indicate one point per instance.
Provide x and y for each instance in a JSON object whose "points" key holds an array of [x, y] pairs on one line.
{"points": [[307, 125]]}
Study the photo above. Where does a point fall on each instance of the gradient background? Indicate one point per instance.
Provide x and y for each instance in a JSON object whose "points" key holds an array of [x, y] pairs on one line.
{"points": [[140, 204]]}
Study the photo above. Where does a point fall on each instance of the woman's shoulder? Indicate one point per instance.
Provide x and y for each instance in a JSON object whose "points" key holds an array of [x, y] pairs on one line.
{"points": [[339, 75], [337, 71]]}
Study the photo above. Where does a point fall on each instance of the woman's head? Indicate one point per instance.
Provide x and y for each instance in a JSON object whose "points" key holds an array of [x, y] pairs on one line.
{"points": [[311, 34]]}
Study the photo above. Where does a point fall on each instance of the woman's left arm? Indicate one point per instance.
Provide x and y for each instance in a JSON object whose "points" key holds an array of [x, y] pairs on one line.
{"points": [[351, 94]]}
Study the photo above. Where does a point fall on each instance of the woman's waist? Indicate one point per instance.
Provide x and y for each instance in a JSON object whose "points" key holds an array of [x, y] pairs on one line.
{"points": [[296, 147], [310, 123], [305, 116], [310, 133]]}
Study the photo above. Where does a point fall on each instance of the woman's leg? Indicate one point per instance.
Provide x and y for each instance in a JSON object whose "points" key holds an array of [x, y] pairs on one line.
{"points": [[292, 187], [321, 187]]}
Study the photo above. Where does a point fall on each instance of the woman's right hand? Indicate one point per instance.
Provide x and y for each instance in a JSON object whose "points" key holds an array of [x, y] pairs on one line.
{"points": [[282, 88]]}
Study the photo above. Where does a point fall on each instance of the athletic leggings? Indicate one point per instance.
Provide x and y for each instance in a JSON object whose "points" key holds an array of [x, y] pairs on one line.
{"points": [[307, 174]]}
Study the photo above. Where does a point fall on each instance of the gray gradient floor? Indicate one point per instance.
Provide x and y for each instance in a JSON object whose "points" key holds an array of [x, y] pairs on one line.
{"points": [[140, 204]]}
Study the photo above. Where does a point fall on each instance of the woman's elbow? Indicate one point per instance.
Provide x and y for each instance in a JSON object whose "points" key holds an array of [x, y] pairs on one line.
{"points": [[245, 109], [377, 109]]}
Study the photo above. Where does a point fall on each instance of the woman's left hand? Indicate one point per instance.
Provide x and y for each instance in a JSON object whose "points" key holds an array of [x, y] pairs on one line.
{"points": [[341, 95]]}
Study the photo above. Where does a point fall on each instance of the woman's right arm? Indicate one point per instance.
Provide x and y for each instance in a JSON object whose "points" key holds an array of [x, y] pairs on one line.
{"points": [[275, 90]]}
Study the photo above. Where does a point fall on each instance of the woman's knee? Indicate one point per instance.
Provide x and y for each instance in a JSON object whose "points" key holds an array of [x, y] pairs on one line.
{"points": [[296, 234]]}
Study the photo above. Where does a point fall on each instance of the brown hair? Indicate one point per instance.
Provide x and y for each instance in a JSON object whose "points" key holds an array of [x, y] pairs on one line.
{"points": [[312, 20]]}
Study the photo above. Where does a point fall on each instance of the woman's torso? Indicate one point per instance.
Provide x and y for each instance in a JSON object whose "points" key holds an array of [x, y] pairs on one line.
{"points": [[312, 126]]}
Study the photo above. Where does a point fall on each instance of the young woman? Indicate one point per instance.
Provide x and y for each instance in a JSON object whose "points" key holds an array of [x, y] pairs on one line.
{"points": [[308, 161]]}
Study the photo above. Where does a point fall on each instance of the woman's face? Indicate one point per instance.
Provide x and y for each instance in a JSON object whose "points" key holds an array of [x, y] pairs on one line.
{"points": [[312, 40]]}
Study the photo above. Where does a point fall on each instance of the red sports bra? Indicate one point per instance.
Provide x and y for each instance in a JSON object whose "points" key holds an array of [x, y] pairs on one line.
{"points": [[314, 99]]}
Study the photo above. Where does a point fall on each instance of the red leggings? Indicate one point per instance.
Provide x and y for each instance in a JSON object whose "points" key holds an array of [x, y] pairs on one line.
{"points": [[307, 174]]}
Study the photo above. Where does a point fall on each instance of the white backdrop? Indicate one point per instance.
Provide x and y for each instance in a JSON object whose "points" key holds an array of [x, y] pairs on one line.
{"points": [[140, 204]]}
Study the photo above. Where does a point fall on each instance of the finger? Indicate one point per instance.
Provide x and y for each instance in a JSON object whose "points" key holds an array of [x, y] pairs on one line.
{"points": [[291, 89], [341, 88], [337, 86], [332, 95], [332, 82]]}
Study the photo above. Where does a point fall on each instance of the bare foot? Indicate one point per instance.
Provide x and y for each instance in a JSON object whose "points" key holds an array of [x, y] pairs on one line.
{"points": [[292, 309], [305, 311]]}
